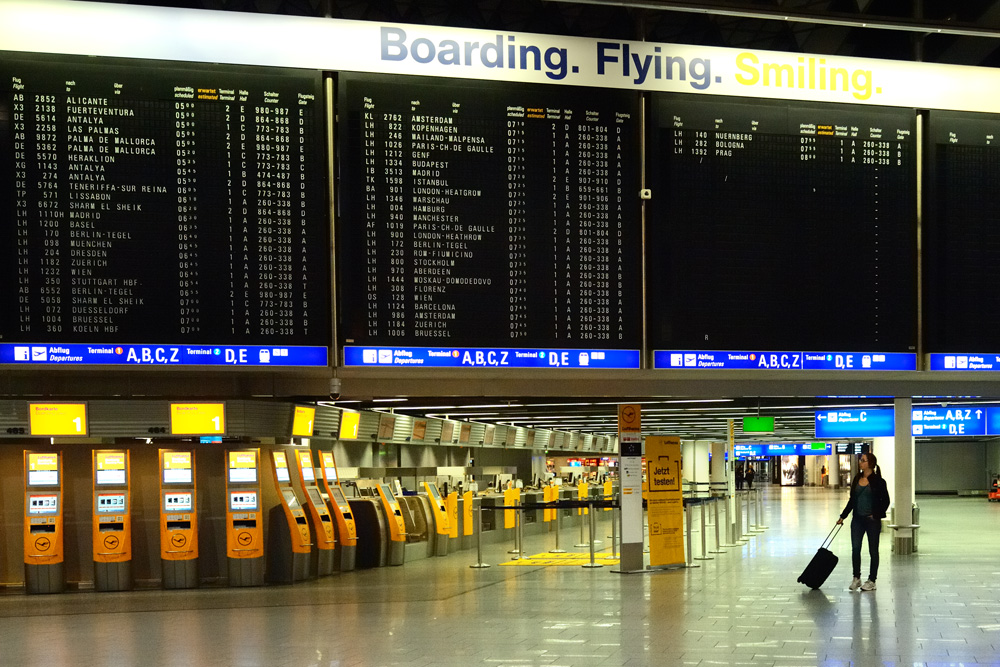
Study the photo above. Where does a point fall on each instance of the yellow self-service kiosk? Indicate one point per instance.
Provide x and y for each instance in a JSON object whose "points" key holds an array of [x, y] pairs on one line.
{"points": [[244, 522], [43, 523], [289, 542], [441, 523], [347, 532], [397, 527], [178, 519], [112, 521], [319, 513]]}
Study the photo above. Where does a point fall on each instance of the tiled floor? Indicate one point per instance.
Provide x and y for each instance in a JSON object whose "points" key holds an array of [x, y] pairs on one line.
{"points": [[938, 607]]}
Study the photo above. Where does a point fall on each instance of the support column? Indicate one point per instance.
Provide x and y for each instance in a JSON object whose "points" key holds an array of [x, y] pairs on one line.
{"points": [[901, 482]]}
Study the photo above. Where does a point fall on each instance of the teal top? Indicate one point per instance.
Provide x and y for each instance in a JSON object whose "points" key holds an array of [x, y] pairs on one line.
{"points": [[863, 503]]}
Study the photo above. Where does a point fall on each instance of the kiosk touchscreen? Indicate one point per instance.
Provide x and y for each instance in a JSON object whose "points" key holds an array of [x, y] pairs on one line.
{"points": [[441, 523], [288, 548], [178, 519], [112, 522], [43, 523], [319, 513], [244, 522], [397, 527]]}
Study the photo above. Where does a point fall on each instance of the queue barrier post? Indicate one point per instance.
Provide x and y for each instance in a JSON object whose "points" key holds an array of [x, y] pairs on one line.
{"points": [[478, 527]]}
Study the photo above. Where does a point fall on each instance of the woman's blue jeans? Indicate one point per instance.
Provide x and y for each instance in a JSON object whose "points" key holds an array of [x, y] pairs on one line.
{"points": [[861, 526]]}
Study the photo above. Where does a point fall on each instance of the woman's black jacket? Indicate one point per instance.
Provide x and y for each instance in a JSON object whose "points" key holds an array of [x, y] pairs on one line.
{"points": [[880, 496]]}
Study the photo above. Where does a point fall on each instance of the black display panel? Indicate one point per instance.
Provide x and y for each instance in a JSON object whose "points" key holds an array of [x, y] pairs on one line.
{"points": [[962, 233], [487, 214], [781, 226], [148, 202]]}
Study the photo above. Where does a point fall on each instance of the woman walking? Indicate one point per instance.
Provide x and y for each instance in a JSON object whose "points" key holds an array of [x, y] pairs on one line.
{"points": [[869, 501]]}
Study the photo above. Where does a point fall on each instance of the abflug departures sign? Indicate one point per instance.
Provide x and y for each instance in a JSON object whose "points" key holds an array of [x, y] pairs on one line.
{"points": [[161, 214], [488, 225]]}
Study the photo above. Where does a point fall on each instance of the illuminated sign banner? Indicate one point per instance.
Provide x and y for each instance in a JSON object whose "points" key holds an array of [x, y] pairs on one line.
{"points": [[950, 421], [794, 361], [864, 423], [161, 355], [369, 46], [197, 418], [303, 422], [54, 419], [964, 362], [440, 357], [758, 450]]}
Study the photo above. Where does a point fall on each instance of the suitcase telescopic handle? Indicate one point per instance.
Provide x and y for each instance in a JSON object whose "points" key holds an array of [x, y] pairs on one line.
{"points": [[832, 536]]}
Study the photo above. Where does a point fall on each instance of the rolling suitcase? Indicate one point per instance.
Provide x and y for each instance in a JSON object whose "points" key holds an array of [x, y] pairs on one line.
{"points": [[822, 564]]}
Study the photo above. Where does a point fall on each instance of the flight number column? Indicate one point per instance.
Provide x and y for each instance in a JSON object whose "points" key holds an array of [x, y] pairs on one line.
{"points": [[517, 225], [51, 214], [187, 219], [398, 279]]}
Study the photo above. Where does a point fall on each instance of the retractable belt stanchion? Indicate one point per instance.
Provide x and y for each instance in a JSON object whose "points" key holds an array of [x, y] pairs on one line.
{"points": [[592, 563], [478, 527], [760, 510], [704, 538], [581, 543], [687, 522], [516, 551], [715, 512], [557, 550], [614, 532], [523, 553], [739, 519]]}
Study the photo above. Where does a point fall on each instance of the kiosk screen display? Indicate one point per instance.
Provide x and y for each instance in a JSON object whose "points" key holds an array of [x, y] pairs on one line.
{"points": [[337, 496], [177, 468], [145, 155], [308, 474], [290, 498], [43, 469], [243, 467], [110, 478], [756, 203], [495, 212], [435, 494], [282, 474], [178, 502], [48, 504], [314, 496], [110, 502], [242, 500]]}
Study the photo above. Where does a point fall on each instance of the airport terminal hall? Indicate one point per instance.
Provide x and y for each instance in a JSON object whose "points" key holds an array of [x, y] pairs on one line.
{"points": [[499, 333]]}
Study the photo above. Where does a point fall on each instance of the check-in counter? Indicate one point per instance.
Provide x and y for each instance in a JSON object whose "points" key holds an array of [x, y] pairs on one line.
{"points": [[372, 531], [491, 519], [438, 520], [532, 498]]}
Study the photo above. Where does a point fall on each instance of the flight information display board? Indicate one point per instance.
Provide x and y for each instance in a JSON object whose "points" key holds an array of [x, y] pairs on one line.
{"points": [[487, 224], [782, 226], [161, 213], [962, 242]]}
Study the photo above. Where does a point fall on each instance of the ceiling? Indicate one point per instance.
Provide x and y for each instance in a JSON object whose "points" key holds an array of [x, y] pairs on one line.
{"points": [[941, 31]]}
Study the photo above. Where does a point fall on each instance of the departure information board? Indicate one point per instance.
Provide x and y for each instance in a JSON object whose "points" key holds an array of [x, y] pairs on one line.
{"points": [[162, 214], [779, 226], [488, 224], [962, 242]]}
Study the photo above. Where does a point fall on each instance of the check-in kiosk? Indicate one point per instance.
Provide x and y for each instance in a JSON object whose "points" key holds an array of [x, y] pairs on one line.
{"points": [[178, 519], [43, 523], [289, 542], [441, 522], [319, 513], [347, 533], [244, 521], [397, 525], [112, 521]]}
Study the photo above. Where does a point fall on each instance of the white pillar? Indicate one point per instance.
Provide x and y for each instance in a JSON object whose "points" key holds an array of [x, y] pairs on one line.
{"points": [[901, 482], [688, 463], [718, 476], [701, 476]]}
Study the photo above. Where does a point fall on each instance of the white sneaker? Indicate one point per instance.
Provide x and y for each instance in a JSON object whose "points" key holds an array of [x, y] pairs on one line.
{"points": [[868, 585], [855, 583]]}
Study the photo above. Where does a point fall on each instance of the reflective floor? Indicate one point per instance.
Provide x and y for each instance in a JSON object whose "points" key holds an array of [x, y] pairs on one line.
{"points": [[940, 606]]}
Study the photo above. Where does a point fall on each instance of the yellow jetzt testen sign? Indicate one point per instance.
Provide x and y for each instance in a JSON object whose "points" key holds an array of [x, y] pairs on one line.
{"points": [[54, 419]]}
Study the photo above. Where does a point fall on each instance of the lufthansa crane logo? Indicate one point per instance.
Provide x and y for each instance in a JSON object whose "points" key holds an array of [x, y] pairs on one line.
{"points": [[43, 544], [244, 538]]}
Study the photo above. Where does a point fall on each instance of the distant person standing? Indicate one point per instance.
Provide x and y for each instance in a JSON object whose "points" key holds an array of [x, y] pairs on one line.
{"points": [[749, 475], [739, 478]]}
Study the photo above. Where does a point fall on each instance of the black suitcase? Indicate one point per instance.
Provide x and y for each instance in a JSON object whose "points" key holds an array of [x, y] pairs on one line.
{"points": [[822, 564]]}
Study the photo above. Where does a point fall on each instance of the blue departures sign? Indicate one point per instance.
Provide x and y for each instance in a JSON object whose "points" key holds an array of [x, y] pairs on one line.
{"points": [[758, 450], [965, 362], [857, 423], [448, 357], [162, 355], [809, 361]]}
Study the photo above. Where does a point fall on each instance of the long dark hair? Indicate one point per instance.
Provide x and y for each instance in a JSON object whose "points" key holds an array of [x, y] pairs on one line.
{"points": [[873, 463]]}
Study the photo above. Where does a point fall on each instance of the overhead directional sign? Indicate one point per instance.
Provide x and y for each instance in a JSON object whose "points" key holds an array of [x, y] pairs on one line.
{"points": [[856, 423], [788, 361], [958, 420]]}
